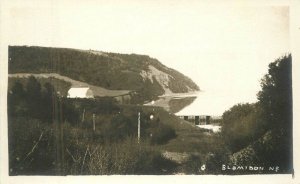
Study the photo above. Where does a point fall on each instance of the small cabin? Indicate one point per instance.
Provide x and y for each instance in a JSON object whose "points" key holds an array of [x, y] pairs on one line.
{"points": [[80, 92]]}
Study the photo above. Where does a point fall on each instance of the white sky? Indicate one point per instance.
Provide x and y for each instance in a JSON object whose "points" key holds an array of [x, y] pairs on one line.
{"points": [[222, 48]]}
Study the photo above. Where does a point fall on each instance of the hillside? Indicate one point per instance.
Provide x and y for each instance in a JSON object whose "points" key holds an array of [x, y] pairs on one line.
{"points": [[113, 71], [97, 91]]}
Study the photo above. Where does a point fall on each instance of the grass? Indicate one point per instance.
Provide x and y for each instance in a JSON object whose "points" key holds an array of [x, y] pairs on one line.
{"points": [[190, 139], [88, 152]]}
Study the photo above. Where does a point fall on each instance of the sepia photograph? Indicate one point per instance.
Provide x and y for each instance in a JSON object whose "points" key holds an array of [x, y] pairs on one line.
{"points": [[107, 88]]}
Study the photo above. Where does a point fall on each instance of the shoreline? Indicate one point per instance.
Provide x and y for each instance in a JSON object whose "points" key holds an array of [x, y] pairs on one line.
{"points": [[165, 99]]}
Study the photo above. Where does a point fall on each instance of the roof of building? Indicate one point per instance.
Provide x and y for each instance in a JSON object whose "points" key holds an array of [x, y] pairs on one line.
{"points": [[78, 92]]}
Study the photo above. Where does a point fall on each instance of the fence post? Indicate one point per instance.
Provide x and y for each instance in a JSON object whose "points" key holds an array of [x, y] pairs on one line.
{"points": [[139, 126], [94, 124], [83, 115]]}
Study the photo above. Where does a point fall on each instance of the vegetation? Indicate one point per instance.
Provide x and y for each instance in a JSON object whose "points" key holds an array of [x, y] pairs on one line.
{"points": [[127, 158], [242, 125], [53, 135], [276, 100], [261, 133], [108, 70], [59, 85], [36, 101], [59, 133]]}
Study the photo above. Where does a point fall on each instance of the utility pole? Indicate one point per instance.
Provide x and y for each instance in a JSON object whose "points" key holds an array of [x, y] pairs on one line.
{"points": [[61, 137], [58, 122], [94, 124], [83, 115], [139, 126]]}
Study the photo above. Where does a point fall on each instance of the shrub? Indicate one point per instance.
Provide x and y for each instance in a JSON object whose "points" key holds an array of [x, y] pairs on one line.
{"points": [[31, 151], [160, 133], [242, 125], [126, 157]]}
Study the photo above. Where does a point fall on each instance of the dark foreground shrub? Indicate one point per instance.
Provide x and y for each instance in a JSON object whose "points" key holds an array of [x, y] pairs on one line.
{"points": [[31, 147], [161, 133], [127, 157]]}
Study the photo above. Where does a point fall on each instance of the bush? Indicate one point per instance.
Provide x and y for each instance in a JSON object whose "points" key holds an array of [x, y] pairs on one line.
{"points": [[160, 133], [126, 157], [193, 165], [39, 103], [119, 127], [242, 125], [31, 151]]}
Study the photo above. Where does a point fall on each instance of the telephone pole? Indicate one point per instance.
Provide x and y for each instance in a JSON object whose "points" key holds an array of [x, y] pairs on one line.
{"points": [[94, 123], [83, 115], [139, 126], [59, 141]]}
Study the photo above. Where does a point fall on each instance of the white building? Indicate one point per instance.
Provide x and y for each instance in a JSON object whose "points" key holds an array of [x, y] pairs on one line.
{"points": [[80, 92]]}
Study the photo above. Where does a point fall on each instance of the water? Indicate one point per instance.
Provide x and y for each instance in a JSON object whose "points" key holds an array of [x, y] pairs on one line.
{"points": [[214, 103], [213, 128]]}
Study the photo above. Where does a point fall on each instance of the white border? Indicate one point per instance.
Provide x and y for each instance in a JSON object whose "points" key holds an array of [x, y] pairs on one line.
{"points": [[295, 48]]}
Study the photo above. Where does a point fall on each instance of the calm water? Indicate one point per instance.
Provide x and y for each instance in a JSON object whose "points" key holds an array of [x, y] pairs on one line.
{"points": [[213, 103]]}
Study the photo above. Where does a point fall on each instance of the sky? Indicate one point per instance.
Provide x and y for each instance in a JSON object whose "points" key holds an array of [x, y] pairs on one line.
{"points": [[224, 48]]}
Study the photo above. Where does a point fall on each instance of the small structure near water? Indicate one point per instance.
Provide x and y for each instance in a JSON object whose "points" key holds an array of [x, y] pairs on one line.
{"points": [[201, 119], [210, 123], [80, 92]]}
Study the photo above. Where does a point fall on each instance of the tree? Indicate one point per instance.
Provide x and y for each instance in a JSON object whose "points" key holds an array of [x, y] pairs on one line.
{"points": [[276, 100], [15, 100], [49, 90], [33, 88], [48, 95], [271, 116], [18, 90], [276, 94], [34, 96]]}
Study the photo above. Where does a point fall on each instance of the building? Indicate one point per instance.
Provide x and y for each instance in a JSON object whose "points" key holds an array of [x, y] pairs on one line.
{"points": [[201, 119], [80, 92], [209, 123]]}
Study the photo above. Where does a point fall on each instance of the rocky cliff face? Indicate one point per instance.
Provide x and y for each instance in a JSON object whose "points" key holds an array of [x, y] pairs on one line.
{"points": [[161, 77]]}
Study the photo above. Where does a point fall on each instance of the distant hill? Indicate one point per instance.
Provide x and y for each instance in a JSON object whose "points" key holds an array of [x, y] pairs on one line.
{"points": [[140, 73]]}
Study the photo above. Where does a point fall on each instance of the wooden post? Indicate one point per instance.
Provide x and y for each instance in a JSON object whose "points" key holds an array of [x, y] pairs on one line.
{"points": [[94, 124], [57, 136], [61, 122], [83, 115], [197, 120], [139, 127], [58, 121], [207, 120]]}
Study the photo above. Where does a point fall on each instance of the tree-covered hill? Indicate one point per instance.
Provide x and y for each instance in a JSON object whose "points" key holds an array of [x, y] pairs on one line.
{"points": [[140, 73]]}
